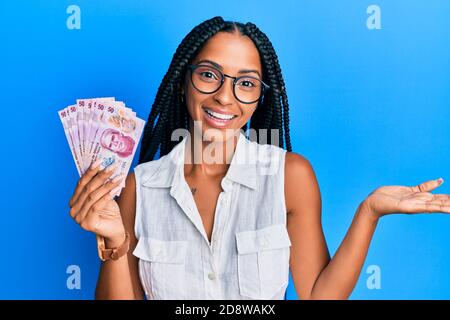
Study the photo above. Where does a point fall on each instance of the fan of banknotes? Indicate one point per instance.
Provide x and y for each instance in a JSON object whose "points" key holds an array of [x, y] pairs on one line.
{"points": [[102, 128]]}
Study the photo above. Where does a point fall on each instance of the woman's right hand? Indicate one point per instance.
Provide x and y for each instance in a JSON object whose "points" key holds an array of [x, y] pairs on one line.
{"points": [[93, 207]]}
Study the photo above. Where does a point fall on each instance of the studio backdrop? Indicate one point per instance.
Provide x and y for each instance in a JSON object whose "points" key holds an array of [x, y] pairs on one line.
{"points": [[368, 85]]}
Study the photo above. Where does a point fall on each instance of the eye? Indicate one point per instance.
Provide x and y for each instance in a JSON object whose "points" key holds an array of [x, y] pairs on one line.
{"points": [[207, 74], [248, 83]]}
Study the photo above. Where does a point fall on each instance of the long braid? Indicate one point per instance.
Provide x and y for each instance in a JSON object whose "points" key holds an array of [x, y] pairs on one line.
{"points": [[276, 107], [285, 103], [169, 111]]}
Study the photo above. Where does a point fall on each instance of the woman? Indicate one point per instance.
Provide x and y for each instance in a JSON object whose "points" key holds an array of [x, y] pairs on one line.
{"points": [[227, 228]]}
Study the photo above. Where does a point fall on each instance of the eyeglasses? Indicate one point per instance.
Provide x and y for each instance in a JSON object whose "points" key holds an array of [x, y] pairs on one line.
{"points": [[246, 89]]}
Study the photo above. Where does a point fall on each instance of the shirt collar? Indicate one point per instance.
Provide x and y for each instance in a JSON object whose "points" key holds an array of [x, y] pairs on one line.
{"points": [[242, 168]]}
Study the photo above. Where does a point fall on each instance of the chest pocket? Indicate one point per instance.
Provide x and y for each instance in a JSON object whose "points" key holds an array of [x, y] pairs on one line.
{"points": [[263, 261], [162, 267]]}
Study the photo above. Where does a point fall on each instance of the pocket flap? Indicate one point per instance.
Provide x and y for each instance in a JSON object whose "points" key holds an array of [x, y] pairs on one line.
{"points": [[155, 250], [273, 237]]}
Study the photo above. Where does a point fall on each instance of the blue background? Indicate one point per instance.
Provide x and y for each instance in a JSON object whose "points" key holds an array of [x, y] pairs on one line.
{"points": [[368, 108]]}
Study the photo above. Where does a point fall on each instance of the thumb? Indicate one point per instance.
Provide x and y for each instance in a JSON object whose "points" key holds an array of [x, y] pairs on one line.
{"points": [[428, 185]]}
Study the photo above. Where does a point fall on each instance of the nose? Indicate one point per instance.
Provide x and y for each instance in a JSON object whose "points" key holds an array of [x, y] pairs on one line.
{"points": [[225, 95]]}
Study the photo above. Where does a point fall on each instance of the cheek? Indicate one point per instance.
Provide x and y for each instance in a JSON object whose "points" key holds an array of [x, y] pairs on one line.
{"points": [[247, 112], [193, 102]]}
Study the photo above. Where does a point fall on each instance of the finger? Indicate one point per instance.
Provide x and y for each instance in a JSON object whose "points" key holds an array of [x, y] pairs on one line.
{"points": [[93, 218], [96, 182], [93, 184], [428, 185], [88, 175], [423, 196], [93, 197], [115, 191], [440, 198], [429, 197], [433, 207]]}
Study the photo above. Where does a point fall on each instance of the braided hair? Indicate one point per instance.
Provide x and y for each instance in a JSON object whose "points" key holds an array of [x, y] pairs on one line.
{"points": [[169, 111]]}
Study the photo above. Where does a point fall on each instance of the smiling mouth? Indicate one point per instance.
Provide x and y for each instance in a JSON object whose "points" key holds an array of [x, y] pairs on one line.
{"points": [[219, 116]]}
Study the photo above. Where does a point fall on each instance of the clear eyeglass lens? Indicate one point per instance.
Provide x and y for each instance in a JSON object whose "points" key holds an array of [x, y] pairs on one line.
{"points": [[248, 89], [208, 80]]}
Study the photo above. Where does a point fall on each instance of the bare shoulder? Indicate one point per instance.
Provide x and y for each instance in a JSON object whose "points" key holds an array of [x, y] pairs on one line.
{"points": [[301, 184], [298, 167]]}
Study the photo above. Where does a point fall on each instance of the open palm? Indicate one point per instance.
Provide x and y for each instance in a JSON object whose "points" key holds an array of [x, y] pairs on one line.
{"points": [[402, 199]]}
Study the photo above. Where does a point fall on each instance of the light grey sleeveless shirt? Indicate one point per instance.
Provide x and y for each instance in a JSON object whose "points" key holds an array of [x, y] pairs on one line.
{"points": [[248, 256]]}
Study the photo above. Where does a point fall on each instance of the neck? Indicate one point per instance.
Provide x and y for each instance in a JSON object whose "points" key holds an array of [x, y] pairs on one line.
{"points": [[208, 158]]}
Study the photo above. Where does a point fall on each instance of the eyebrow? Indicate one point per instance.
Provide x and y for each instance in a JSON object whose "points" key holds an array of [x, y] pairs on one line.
{"points": [[218, 66]]}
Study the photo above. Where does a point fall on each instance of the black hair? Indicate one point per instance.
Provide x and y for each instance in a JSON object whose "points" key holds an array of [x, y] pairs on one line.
{"points": [[169, 111]]}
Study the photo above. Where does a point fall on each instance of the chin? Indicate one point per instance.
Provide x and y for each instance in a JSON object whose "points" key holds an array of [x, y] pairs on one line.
{"points": [[208, 133]]}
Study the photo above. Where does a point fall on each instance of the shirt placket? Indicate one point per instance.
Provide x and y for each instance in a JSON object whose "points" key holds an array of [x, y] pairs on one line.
{"points": [[211, 274]]}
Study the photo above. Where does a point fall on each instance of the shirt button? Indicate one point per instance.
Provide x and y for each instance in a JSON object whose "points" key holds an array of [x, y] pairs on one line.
{"points": [[211, 276], [264, 241]]}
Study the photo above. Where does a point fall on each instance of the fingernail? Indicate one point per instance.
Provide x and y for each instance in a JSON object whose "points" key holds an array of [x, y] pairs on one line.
{"points": [[96, 163], [111, 167], [114, 191], [119, 177], [440, 180]]}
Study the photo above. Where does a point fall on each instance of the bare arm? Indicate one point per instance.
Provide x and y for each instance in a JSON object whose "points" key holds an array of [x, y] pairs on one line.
{"points": [[340, 276], [315, 275], [120, 279]]}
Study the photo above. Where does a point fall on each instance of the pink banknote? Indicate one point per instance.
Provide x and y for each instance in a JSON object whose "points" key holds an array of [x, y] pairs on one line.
{"points": [[102, 128]]}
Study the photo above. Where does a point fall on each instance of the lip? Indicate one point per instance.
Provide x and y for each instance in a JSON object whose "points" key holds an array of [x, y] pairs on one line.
{"points": [[219, 110], [217, 123]]}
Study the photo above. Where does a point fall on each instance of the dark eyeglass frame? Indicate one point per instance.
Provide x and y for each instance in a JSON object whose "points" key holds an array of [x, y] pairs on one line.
{"points": [[264, 87]]}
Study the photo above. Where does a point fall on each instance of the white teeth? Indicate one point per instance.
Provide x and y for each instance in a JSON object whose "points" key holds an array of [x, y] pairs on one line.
{"points": [[219, 115]]}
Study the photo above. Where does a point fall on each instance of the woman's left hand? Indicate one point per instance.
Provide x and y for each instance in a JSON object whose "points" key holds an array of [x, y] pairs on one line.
{"points": [[400, 199]]}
